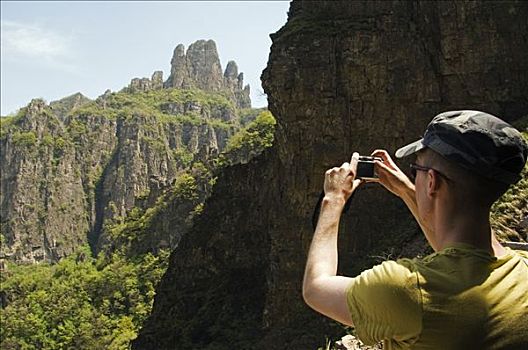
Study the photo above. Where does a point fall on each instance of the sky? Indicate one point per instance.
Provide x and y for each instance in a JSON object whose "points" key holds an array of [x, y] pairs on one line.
{"points": [[52, 49]]}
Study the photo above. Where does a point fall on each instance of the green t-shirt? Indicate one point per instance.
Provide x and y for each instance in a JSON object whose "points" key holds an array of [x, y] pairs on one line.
{"points": [[458, 298]]}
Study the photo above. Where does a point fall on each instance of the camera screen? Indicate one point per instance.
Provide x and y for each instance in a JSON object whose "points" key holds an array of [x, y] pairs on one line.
{"points": [[365, 170]]}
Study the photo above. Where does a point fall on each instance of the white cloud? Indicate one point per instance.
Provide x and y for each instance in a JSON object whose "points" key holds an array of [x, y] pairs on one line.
{"points": [[34, 42]]}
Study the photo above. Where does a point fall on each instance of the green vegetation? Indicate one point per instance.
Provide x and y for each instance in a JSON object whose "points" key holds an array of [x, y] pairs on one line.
{"points": [[159, 98], [158, 145], [220, 124], [26, 139], [5, 125], [77, 129], [80, 302], [60, 143], [249, 141], [52, 138], [167, 105], [125, 232], [93, 109], [183, 157], [66, 104], [185, 187], [8, 125], [47, 141]]}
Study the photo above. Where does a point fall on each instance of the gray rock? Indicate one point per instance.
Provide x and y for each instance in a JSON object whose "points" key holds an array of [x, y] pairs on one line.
{"points": [[231, 71], [200, 68], [157, 80], [179, 72]]}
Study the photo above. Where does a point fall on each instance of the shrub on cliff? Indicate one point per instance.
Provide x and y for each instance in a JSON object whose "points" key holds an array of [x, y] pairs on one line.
{"points": [[249, 141]]}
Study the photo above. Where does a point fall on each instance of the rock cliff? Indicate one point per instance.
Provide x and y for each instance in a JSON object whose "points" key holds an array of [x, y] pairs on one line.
{"points": [[42, 215], [341, 77]]}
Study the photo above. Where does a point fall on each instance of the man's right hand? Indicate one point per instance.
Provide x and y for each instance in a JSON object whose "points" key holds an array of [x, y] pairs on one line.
{"points": [[391, 177]]}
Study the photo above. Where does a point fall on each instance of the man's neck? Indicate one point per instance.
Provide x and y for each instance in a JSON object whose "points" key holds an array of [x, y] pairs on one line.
{"points": [[469, 227]]}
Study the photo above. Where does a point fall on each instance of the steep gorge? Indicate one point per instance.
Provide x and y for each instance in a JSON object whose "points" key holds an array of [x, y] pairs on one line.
{"points": [[342, 77]]}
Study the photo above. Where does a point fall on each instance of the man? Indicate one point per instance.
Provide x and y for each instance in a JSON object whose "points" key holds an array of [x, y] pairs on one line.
{"points": [[472, 293]]}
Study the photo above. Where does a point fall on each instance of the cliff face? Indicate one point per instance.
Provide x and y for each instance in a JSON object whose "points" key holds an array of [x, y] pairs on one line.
{"points": [[42, 216], [71, 167], [342, 77]]}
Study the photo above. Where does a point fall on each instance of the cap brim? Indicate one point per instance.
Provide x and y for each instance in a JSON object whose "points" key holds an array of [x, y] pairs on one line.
{"points": [[410, 149]]}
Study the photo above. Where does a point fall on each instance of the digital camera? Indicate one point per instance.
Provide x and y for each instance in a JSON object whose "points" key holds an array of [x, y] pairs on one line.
{"points": [[365, 168]]}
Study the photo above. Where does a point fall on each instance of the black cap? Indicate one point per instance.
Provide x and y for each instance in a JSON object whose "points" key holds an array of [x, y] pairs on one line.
{"points": [[477, 141]]}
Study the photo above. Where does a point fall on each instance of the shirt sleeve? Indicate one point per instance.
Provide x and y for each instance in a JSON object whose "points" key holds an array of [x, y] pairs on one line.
{"points": [[385, 304]]}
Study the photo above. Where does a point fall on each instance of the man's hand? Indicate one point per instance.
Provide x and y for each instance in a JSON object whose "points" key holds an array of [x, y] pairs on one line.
{"points": [[341, 182], [391, 177]]}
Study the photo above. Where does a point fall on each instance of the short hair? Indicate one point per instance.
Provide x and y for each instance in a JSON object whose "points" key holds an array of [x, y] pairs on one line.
{"points": [[466, 184]]}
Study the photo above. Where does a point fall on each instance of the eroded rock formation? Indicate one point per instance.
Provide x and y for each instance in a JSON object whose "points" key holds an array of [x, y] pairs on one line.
{"points": [[146, 84], [199, 68], [342, 76]]}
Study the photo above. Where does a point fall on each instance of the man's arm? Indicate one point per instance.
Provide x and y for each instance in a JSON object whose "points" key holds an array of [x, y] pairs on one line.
{"points": [[323, 290]]}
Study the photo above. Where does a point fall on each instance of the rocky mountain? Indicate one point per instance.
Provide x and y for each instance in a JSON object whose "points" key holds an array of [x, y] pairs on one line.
{"points": [[71, 167], [342, 76], [199, 68]]}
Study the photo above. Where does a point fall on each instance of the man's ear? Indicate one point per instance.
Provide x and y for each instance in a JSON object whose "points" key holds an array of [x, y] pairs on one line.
{"points": [[433, 182]]}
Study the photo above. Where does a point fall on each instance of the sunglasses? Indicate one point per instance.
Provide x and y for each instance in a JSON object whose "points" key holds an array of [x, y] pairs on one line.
{"points": [[415, 167]]}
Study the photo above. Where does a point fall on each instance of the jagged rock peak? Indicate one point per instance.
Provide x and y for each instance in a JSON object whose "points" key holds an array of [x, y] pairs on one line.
{"points": [[73, 97], [146, 84], [200, 68], [64, 105], [240, 81], [204, 65], [36, 106], [231, 71], [157, 80]]}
